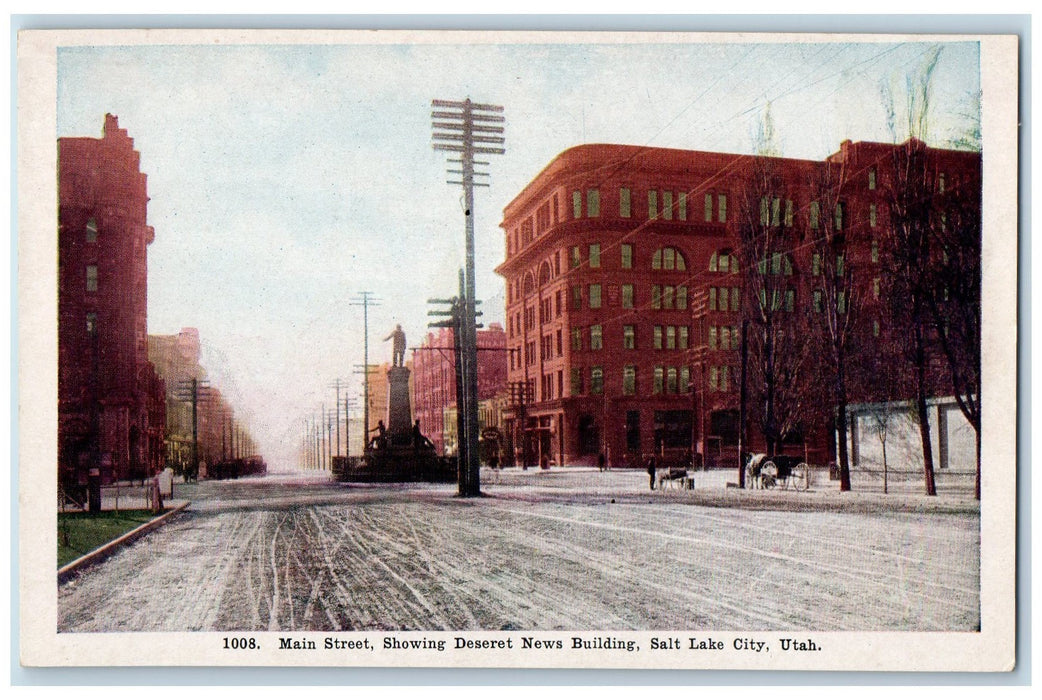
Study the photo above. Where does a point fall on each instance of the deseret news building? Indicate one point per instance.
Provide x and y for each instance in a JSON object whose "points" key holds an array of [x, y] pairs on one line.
{"points": [[624, 293]]}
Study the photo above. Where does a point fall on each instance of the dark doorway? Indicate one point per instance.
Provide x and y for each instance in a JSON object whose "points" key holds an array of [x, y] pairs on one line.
{"points": [[589, 435]]}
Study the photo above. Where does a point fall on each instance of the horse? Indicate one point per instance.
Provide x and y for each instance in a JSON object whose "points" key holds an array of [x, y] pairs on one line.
{"points": [[753, 464]]}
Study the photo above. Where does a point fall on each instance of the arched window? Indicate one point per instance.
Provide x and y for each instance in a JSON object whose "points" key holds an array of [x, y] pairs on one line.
{"points": [[723, 261], [528, 286], [776, 264], [544, 274], [668, 258]]}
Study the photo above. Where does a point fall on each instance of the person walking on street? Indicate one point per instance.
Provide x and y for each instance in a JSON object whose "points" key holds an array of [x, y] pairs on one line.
{"points": [[651, 472]]}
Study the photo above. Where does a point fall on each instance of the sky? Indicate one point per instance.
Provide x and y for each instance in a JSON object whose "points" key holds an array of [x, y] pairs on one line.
{"points": [[284, 180]]}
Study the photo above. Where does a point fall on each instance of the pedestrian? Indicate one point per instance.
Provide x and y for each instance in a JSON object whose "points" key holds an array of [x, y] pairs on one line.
{"points": [[651, 472], [380, 441], [600, 462]]}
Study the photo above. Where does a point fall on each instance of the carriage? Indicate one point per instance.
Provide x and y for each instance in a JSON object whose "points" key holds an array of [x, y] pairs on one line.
{"points": [[767, 471]]}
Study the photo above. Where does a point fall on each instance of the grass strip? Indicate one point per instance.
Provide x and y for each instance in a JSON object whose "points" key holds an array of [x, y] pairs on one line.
{"points": [[80, 533]]}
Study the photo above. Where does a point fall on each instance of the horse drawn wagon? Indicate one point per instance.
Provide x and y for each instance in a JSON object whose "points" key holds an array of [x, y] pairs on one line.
{"points": [[768, 471]]}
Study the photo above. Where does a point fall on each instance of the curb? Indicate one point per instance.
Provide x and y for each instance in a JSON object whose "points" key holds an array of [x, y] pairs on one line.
{"points": [[66, 572]]}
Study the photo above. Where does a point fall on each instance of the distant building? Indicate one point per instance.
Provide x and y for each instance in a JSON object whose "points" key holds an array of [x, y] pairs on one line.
{"points": [[626, 291], [111, 407], [177, 359], [434, 383]]}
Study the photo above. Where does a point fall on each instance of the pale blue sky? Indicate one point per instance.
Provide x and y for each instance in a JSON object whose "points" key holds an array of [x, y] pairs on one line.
{"points": [[284, 180]]}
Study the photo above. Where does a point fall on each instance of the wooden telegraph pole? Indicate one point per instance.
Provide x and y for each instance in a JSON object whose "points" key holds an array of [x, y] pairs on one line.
{"points": [[469, 129]]}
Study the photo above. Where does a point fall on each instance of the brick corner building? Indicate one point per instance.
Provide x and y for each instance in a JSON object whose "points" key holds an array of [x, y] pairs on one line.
{"points": [[111, 403], [630, 272]]}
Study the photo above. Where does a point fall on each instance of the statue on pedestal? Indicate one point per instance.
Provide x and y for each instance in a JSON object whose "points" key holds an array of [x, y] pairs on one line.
{"points": [[397, 346]]}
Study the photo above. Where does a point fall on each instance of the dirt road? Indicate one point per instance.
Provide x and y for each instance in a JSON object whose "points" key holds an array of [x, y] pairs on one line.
{"points": [[298, 553]]}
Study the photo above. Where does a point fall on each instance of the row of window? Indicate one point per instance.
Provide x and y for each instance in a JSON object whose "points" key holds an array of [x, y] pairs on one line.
{"points": [[667, 258], [663, 338], [664, 380], [721, 299], [669, 205], [725, 261], [666, 205], [775, 211]]}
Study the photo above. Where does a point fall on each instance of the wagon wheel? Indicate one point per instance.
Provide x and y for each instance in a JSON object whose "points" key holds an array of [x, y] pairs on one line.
{"points": [[800, 477], [769, 475]]}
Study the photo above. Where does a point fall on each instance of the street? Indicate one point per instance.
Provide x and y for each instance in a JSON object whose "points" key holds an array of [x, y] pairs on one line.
{"points": [[557, 550]]}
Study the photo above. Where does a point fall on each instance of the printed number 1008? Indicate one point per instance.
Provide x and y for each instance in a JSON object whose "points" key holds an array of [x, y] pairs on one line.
{"points": [[240, 643]]}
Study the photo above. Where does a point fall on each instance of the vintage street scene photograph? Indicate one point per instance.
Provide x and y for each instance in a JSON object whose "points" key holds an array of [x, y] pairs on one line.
{"points": [[521, 349]]}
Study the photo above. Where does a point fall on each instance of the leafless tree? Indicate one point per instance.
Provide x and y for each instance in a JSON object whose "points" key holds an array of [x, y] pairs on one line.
{"points": [[834, 299], [910, 185], [955, 304], [778, 357]]}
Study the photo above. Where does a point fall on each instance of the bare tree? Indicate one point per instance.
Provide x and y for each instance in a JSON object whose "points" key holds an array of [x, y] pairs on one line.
{"points": [[955, 304], [910, 186], [834, 303], [909, 291], [778, 357]]}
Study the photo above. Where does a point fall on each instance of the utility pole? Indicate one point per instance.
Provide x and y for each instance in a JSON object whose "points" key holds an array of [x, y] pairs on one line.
{"points": [[336, 385], [348, 403], [743, 414], [455, 322], [365, 302], [316, 436], [329, 437], [194, 390], [462, 127]]}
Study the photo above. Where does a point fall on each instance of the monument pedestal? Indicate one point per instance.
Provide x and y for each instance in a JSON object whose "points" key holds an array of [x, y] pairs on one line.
{"points": [[399, 409], [398, 458]]}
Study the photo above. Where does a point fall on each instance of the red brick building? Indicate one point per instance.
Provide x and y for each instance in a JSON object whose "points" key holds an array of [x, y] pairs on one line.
{"points": [[626, 292], [434, 380], [111, 404]]}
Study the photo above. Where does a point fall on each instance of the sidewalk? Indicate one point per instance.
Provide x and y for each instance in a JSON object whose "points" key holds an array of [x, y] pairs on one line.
{"points": [[130, 496], [718, 488]]}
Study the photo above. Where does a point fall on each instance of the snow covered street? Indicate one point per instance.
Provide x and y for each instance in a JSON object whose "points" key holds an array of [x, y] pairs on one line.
{"points": [[560, 550]]}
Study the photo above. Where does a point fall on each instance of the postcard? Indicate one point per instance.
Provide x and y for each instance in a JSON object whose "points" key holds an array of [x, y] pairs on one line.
{"points": [[590, 350]]}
